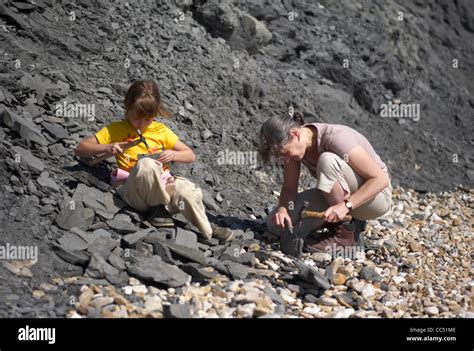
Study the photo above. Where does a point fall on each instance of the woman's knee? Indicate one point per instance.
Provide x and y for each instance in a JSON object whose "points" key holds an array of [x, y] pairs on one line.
{"points": [[327, 161], [372, 210]]}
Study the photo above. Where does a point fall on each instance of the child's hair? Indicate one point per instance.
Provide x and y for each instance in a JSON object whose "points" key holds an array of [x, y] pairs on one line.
{"points": [[143, 100], [275, 133]]}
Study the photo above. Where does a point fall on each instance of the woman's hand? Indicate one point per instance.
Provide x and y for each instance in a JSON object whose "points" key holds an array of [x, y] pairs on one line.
{"points": [[336, 213], [167, 156], [280, 216]]}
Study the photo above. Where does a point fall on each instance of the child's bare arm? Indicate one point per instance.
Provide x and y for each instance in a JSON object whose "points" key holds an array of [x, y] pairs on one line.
{"points": [[180, 153], [91, 147]]}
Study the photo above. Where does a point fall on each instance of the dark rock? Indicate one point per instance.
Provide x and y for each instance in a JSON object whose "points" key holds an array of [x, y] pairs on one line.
{"points": [[105, 90], [263, 255], [91, 180], [190, 254], [178, 310], [14, 17], [117, 261], [232, 253], [144, 249], [26, 129], [130, 240], [280, 309], [120, 279], [242, 31], [236, 270], [291, 244], [217, 250], [163, 234], [186, 238], [248, 235], [470, 175], [154, 270], [99, 268], [299, 290], [89, 281], [348, 298], [209, 202], [89, 237], [46, 210], [330, 271], [72, 241], [27, 160], [199, 273], [121, 226], [311, 275], [369, 274], [74, 215], [165, 253], [46, 182], [203, 247], [103, 244], [79, 258], [104, 204], [273, 295], [210, 242], [244, 243], [58, 150], [56, 131]]}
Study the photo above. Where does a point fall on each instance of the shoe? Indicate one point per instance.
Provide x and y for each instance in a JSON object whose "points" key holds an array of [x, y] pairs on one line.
{"points": [[340, 234], [223, 234], [160, 217]]}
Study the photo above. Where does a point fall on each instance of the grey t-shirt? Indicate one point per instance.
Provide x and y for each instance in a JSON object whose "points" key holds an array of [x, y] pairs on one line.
{"points": [[340, 139]]}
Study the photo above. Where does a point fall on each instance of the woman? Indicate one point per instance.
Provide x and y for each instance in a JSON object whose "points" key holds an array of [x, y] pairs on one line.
{"points": [[351, 179]]}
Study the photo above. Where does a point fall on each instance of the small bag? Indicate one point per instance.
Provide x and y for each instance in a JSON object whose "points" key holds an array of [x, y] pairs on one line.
{"points": [[118, 175]]}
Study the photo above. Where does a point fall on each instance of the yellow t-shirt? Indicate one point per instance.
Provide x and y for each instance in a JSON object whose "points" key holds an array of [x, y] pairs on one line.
{"points": [[158, 136]]}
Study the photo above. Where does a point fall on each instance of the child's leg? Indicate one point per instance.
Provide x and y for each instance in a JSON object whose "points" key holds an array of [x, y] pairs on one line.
{"points": [[186, 198], [143, 188]]}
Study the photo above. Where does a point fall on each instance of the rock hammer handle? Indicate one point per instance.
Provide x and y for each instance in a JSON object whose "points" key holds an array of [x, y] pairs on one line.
{"points": [[314, 214]]}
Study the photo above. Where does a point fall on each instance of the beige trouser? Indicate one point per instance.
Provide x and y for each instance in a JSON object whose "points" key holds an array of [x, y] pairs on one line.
{"points": [[143, 190], [331, 169]]}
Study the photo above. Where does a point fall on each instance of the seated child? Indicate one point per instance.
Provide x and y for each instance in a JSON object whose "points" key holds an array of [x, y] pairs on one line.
{"points": [[147, 183]]}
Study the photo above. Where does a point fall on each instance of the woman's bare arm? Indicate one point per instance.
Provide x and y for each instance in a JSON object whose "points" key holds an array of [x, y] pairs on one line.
{"points": [[364, 165]]}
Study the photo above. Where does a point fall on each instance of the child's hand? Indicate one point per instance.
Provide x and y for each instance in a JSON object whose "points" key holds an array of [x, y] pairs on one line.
{"points": [[115, 148], [167, 156]]}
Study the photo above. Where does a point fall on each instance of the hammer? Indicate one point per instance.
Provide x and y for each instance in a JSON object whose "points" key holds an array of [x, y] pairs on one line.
{"points": [[313, 214], [290, 242], [107, 155]]}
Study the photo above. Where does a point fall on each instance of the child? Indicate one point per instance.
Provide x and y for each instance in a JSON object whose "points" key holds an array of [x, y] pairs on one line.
{"points": [[146, 183]]}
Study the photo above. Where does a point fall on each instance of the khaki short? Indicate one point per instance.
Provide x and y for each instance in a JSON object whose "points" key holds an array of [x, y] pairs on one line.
{"points": [[143, 190]]}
